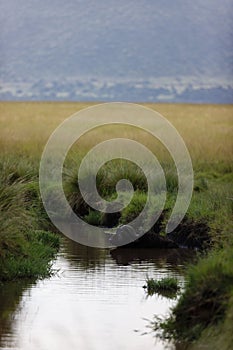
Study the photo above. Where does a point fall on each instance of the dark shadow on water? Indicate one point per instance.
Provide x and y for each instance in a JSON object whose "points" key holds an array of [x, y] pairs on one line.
{"points": [[10, 298], [86, 258], [170, 258]]}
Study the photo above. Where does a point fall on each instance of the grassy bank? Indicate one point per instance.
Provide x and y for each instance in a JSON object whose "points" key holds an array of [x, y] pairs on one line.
{"points": [[204, 313], [26, 245], [206, 305]]}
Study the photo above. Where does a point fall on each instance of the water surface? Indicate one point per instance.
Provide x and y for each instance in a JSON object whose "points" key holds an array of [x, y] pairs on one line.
{"points": [[94, 301]]}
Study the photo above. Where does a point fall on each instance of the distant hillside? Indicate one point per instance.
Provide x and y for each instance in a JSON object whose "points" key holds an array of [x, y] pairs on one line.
{"points": [[125, 50]]}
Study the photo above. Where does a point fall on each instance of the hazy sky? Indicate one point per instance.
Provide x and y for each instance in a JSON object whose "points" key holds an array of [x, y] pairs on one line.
{"points": [[106, 38]]}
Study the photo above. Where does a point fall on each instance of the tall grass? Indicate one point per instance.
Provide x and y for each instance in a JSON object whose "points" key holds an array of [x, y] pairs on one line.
{"points": [[206, 130], [25, 250]]}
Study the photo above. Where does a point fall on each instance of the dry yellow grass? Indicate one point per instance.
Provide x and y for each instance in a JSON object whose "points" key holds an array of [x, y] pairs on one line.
{"points": [[206, 129]]}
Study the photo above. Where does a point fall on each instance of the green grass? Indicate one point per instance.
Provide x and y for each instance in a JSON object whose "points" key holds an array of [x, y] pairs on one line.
{"points": [[26, 245], [37, 249], [93, 218], [167, 286], [135, 207]]}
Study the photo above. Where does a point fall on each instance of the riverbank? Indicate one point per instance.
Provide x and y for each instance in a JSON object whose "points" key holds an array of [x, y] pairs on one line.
{"points": [[26, 245], [204, 313]]}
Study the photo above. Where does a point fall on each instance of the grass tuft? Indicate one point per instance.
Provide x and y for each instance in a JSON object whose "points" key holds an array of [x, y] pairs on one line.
{"points": [[167, 286]]}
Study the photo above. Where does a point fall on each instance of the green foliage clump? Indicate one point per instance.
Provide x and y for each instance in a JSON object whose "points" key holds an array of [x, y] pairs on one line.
{"points": [[34, 259], [93, 218], [167, 286], [131, 211]]}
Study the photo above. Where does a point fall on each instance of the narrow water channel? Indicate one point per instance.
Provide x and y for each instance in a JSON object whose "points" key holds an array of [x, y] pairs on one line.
{"points": [[94, 301]]}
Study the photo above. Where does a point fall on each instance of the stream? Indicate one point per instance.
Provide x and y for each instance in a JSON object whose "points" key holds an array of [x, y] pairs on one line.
{"points": [[94, 301]]}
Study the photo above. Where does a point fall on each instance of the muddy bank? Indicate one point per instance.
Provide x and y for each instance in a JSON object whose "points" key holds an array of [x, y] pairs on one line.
{"points": [[189, 234]]}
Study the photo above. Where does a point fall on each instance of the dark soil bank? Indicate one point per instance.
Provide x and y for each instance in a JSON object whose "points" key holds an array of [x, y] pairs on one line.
{"points": [[189, 234]]}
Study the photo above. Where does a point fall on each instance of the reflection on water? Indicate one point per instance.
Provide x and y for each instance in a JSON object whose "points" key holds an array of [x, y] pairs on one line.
{"points": [[172, 259], [10, 297], [95, 301]]}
